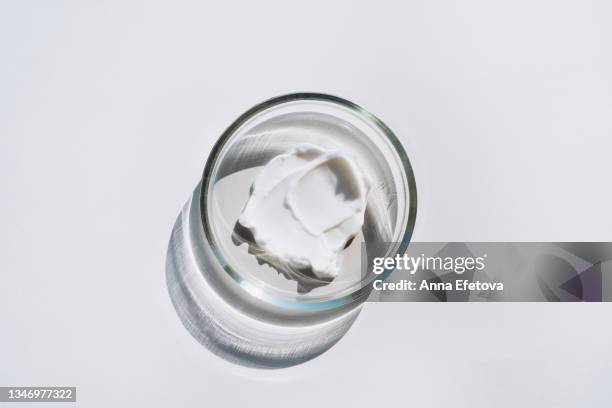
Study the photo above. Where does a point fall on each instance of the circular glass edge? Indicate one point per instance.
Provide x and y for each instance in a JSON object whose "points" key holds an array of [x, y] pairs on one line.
{"points": [[363, 292]]}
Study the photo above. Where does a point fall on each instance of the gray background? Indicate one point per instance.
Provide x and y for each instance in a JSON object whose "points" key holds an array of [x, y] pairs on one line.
{"points": [[108, 111]]}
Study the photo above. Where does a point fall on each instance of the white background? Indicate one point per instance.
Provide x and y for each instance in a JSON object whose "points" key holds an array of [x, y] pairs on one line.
{"points": [[107, 114]]}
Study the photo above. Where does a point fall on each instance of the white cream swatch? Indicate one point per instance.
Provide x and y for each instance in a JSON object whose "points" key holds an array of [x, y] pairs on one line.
{"points": [[304, 207]]}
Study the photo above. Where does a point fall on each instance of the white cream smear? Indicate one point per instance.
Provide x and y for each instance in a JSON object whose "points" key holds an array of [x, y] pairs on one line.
{"points": [[304, 208]]}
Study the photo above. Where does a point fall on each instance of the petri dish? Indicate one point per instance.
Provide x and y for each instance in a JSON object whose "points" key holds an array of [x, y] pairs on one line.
{"points": [[248, 312]]}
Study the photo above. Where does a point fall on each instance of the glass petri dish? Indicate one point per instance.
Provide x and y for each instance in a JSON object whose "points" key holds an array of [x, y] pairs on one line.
{"points": [[210, 274]]}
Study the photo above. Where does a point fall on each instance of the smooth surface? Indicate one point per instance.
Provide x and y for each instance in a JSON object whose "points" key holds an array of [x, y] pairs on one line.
{"points": [[108, 111]]}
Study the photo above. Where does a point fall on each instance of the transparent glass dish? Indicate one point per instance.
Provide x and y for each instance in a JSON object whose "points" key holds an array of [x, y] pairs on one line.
{"points": [[244, 311]]}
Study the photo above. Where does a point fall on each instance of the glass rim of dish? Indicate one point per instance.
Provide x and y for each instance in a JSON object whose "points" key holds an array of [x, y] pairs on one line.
{"points": [[313, 304]]}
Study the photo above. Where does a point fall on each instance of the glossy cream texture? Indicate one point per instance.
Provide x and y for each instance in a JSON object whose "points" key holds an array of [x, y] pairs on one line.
{"points": [[304, 208]]}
